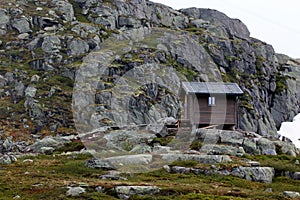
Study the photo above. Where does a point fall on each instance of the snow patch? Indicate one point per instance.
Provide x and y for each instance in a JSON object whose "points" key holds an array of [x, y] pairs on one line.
{"points": [[291, 130]]}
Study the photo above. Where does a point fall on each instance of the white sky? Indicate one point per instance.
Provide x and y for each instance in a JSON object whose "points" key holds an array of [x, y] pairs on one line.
{"points": [[276, 22]]}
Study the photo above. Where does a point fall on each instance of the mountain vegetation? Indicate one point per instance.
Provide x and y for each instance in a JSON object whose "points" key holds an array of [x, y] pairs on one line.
{"points": [[72, 70]]}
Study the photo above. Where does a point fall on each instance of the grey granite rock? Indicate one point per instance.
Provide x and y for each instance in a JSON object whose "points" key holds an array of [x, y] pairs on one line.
{"points": [[78, 47], [207, 159], [257, 174], [291, 194], [51, 44], [21, 25], [75, 191], [124, 192]]}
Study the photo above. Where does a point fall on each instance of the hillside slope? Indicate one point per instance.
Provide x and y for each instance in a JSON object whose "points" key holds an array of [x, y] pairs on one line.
{"points": [[44, 44]]}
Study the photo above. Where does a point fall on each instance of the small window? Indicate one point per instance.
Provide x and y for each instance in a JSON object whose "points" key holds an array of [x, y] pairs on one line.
{"points": [[211, 101]]}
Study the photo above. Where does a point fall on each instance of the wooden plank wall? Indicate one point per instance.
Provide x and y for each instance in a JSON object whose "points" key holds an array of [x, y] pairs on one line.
{"points": [[199, 112]]}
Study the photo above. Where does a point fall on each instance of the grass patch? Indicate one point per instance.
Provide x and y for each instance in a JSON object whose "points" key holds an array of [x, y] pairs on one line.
{"points": [[246, 101], [184, 163], [188, 73], [71, 146], [281, 163], [190, 186], [281, 184], [196, 145], [61, 81], [281, 84], [48, 176], [163, 141], [78, 12]]}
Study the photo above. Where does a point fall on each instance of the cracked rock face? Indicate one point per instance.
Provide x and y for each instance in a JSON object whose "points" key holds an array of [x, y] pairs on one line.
{"points": [[78, 47], [65, 8], [199, 44], [51, 44], [218, 22]]}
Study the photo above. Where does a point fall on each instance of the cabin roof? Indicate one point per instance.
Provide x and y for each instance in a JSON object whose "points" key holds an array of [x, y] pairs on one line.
{"points": [[212, 88]]}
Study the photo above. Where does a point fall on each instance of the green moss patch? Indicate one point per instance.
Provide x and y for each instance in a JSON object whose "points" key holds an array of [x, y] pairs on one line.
{"points": [[48, 176]]}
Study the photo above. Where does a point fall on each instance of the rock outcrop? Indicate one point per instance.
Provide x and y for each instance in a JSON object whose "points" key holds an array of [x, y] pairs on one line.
{"points": [[56, 38], [255, 174], [291, 194], [222, 142], [124, 192]]}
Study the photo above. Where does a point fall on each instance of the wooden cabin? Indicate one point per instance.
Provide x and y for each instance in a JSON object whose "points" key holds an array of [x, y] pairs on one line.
{"points": [[210, 103]]}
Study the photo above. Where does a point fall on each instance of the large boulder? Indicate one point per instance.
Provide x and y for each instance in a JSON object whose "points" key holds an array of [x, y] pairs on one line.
{"points": [[139, 159], [124, 192], [8, 145], [291, 194], [207, 159], [158, 129], [124, 140], [44, 22], [4, 21], [90, 33], [99, 164], [30, 91], [266, 147], [21, 25], [158, 149], [75, 191], [296, 176], [35, 112], [168, 121], [222, 150], [7, 159], [78, 47], [20, 88], [126, 162], [3, 81], [292, 175], [51, 44], [238, 143], [207, 136], [140, 149], [4, 18], [112, 177], [233, 138], [250, 147], [287, 148], [47, 144], [256, 174], [65, 9], [85, 30]]}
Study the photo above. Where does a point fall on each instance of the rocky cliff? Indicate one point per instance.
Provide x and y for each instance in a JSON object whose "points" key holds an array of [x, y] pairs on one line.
{"points": [[49, 46]]}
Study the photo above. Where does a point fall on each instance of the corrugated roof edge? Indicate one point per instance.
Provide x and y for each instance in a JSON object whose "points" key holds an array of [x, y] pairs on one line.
{"points": [[212, 88]]}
